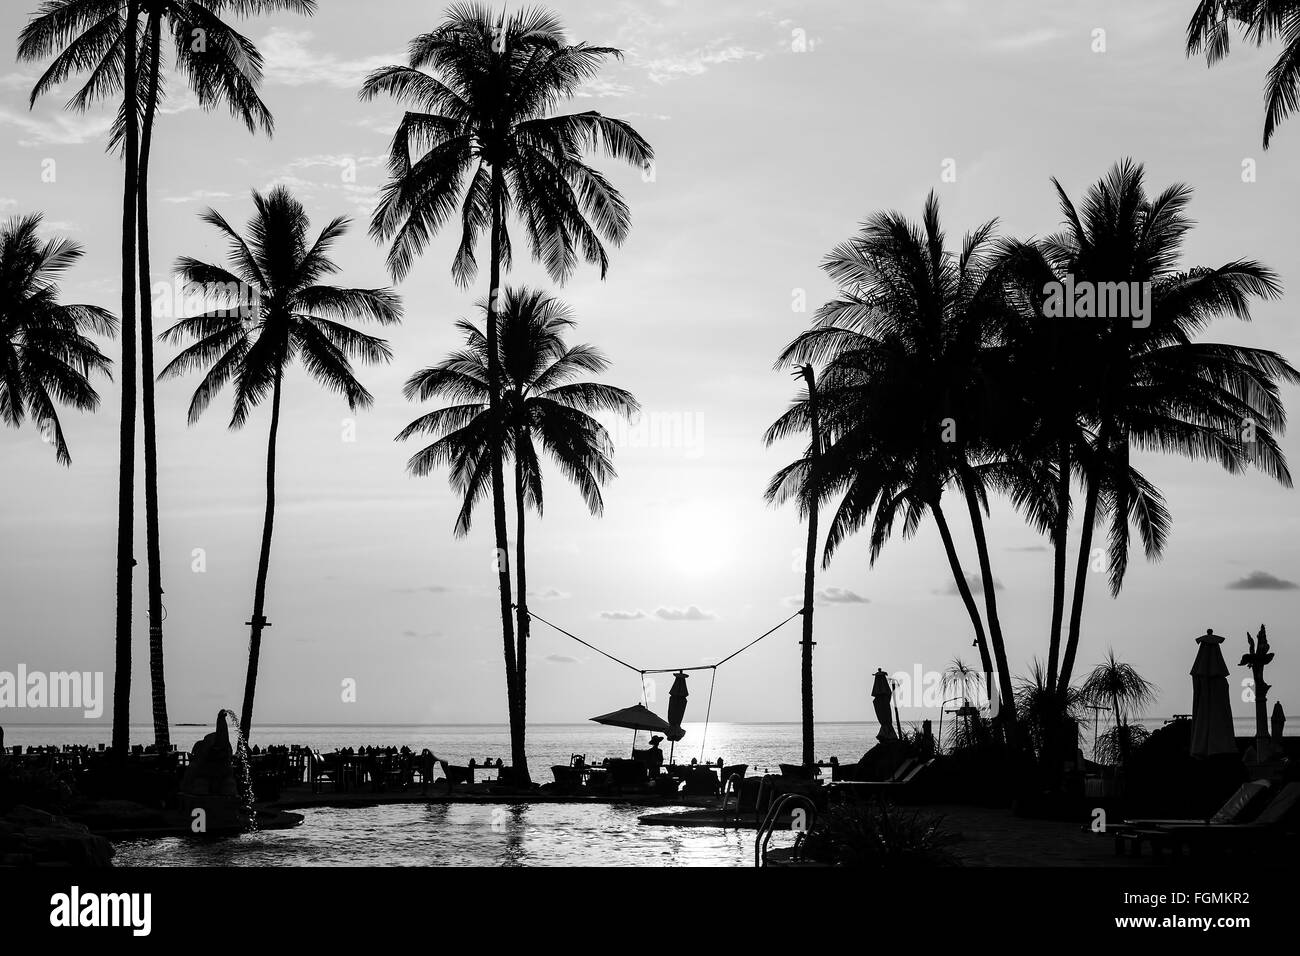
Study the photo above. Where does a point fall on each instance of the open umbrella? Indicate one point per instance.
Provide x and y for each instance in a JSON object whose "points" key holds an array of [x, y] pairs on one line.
{"points": [[634, 718], [1212, 731]]}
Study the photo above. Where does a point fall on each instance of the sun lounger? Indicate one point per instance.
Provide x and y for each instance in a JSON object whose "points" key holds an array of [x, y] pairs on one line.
{"points": [[1272, 821]]}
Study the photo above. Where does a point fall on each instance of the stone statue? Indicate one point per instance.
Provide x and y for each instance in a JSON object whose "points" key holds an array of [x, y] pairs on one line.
{"points": [[1259, 656]]}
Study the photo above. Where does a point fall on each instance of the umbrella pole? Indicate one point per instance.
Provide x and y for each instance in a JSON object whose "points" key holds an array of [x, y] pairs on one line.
{"points": [[634, 733], [672, 746]]}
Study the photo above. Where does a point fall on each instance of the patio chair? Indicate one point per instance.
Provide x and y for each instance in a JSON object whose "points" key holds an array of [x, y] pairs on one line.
{"points": [[321, 773]]}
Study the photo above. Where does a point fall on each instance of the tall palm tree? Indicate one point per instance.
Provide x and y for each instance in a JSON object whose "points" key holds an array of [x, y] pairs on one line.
{"points": [[482, 135], [904, 397], [806, 472], [271, 310], [102, 36], [1260, 21], [543, 406], [1145, 385], [46, 353], [120, 45], [225, 68]]}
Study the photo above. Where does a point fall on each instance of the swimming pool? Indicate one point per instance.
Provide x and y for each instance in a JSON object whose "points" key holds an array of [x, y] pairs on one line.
{"points": [[460, 835]]}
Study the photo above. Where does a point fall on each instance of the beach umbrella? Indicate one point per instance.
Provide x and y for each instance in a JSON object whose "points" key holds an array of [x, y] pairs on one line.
{"points": [[634, 718], [881, 692], [1212, 731]]}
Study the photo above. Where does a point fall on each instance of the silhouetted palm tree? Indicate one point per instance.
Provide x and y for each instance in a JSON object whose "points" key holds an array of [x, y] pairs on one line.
{"points": [[482, 140], [542, 405], [904, 397], [220, 67], [102, 37], [46, 354], [804, 414], [271, 311], [1120, 687], [1107, 385], [1260, 22]]}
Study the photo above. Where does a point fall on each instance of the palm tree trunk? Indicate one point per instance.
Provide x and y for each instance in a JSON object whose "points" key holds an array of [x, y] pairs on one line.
{"points": [[258, 622], [518, 758], [1006, 690], [1080, 583], [161, 734], [810, 573], [963, 586], [126, 450], [521, 591], [1059, 534]]}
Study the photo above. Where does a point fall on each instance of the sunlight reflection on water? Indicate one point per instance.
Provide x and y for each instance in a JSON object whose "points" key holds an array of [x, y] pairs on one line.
{"points": [[461, 835]]}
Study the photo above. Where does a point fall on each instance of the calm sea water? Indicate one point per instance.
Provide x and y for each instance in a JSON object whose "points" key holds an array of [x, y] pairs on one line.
{"points": [[762, 746], [485, 834]]}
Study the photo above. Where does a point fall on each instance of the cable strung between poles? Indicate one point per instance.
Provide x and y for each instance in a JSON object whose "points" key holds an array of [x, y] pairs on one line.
{"points": [[665, 670]]}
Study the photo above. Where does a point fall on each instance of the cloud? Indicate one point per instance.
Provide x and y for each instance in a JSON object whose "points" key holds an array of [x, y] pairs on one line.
{"points": [[562, 659], [1034, 548], [291, 62], [975, 582], [691, 613], [199, 195], [63, 129], [1016, 42], [666, 68], [622, 615], [829, 596], [430, 588], [1262, 581], [602, 88], [422, 634], [550, 594], [18, 81], [840, 596]]}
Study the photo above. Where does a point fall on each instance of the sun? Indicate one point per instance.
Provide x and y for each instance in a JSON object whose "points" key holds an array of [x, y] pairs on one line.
{"points": [[695, 538]]}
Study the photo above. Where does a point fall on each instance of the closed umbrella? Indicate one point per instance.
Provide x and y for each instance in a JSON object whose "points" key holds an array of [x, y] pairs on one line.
{"points": [[676, 711], [881, 692], [1212, 731]]}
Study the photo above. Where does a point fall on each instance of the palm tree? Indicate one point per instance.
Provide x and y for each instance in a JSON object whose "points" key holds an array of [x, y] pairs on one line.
{"points": [[1121, 688], [904, 398], [119, 44], [1144, 385], [271, 311], [481, 135], [1260, 21], [543, 405], [803, 475], [103, 36], [46, 353]]}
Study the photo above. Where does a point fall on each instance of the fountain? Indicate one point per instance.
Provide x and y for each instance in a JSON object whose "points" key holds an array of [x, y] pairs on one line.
{"points": [[216, 790]]}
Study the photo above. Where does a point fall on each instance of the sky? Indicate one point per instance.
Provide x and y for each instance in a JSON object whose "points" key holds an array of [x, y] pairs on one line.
{"points": [[778, 128]]}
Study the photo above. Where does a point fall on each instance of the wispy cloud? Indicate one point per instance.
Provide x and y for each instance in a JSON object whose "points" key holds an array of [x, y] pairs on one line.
{"points": [[199, 195], [1262, 581], [63, 129], [622, 615], [668, 67], [291, 61], [823, 596], [427, 588], [1028, 40], [424, 635], [976, 583], [562, 659], [691, 613], [550, 594]]}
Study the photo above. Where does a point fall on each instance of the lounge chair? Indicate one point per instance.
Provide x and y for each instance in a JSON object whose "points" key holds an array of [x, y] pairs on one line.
{"points": [[320, 773], [1274, 821], [1241, 807]]}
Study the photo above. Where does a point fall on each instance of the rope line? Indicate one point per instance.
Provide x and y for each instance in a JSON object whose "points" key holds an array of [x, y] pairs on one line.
{"points": [[708, 710], [666, 670]]}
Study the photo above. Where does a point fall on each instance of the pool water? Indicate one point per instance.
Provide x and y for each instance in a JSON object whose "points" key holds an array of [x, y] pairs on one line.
{"points": [[461, 835]]}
